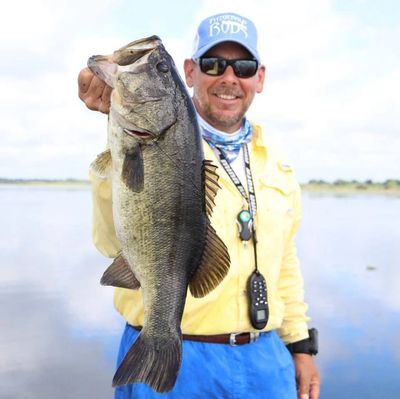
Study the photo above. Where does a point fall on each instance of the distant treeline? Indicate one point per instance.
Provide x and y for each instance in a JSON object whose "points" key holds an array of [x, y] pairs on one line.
{"points": [[387, 184], [41, 181]]}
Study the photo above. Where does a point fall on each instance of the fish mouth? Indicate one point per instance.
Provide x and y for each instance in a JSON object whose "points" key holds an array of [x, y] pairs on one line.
{"points": [[138, 134]]}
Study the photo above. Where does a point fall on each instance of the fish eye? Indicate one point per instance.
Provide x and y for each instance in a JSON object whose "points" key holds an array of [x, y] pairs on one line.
{"points": [[163, 66]]}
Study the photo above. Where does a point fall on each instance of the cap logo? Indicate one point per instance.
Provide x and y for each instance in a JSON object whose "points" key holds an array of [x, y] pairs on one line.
{"points": [[227, 25]]}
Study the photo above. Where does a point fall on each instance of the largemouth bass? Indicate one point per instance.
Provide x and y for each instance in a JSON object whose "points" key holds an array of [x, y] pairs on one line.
{"points": [[163, 193]]}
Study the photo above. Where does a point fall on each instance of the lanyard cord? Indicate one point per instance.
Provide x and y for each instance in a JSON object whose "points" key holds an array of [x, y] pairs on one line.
{"points": [[251, 198]]}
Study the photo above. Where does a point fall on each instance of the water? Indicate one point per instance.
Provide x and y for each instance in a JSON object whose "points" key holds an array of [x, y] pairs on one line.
{"points": [[59, 333], [350, 252], [58, 329]]}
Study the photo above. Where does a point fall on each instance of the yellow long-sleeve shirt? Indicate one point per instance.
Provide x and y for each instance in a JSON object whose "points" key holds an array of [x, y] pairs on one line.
{"points": [[225, 309]]}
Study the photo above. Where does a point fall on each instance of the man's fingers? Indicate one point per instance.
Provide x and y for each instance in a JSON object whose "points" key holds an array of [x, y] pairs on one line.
{"points": [[106, 99], [308, 388], [307, 377], [84, 79], [303, 392], [93, 91], [315, 388]]}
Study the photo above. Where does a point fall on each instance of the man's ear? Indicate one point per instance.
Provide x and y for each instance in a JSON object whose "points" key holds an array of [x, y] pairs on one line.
{"points": [[260, 78], [188, 67]]}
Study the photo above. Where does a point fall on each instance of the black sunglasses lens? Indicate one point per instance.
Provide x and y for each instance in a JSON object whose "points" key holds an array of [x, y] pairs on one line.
{"points": [[216, 66], [212, 66], [245, 68]]}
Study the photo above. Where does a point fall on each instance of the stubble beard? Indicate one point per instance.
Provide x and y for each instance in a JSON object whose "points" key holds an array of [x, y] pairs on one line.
{"points": [[219, 120]]}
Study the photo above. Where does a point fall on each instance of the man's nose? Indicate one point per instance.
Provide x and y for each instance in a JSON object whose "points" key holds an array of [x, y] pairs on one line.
{"points": [[229, 74]]}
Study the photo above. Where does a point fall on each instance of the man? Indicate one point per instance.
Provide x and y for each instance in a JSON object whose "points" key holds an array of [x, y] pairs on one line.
{"points": [[218, 362]]}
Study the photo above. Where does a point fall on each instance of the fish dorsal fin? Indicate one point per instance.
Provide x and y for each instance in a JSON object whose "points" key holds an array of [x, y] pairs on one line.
{"points": [[133, 169], [119, 274], [101, 166], [211, 186], [213, 266]]}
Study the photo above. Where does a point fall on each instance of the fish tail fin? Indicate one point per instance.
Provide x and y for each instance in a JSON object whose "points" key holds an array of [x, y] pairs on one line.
{"points": [[151, 361]]}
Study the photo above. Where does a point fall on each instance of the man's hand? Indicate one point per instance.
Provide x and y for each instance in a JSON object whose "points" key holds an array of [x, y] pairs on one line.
{"points": [[307, 377], [93, 91]]}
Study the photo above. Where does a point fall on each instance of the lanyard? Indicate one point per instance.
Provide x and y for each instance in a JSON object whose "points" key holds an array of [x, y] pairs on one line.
{"points": [[256, 284], [251, 197]]}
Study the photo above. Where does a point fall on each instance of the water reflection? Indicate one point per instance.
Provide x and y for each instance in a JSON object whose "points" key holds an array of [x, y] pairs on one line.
{"points": [[350, 256], [60, 333]]}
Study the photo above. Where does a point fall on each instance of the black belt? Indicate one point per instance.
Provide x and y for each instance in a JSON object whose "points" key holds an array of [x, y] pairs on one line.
{"points": [[231, 339]]}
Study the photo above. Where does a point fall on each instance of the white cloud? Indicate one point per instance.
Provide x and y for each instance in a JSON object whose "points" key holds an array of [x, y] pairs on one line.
{"points": [[330, 88]]}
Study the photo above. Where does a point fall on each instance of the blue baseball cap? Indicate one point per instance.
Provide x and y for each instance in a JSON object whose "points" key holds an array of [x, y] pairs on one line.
{"points": [[225, 27]]}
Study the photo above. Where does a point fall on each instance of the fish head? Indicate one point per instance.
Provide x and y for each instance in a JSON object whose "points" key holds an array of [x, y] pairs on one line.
{"points": [[146, 86]]}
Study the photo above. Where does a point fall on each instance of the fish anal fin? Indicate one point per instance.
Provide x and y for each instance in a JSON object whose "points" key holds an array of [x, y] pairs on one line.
{"points": [[213, 266], [210, 185], [101, 166], [133, 169], [119, 274]]}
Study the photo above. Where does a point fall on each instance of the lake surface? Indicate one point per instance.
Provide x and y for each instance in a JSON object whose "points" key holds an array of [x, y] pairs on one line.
{"points": [[59, 333]]}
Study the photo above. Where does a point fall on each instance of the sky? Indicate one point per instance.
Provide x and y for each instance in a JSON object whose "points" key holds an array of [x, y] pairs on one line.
{"points": [[330, 97]]}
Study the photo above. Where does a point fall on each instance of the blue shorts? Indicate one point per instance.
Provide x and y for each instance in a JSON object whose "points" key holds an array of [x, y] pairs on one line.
{"points": [[262, 369]]}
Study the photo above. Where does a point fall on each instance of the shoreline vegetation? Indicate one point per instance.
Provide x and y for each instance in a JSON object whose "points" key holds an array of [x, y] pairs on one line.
{"points": [[45, 182], [389, 186], [337, 186]]}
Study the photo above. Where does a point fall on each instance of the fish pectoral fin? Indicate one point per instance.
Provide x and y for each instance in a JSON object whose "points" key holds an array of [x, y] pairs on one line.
{"points": [[133, 170], [101, 166], [211, 186], [119, 274], [213, 266]]}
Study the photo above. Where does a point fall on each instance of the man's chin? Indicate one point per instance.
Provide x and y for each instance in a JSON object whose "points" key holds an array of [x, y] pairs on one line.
{"points": [[225, 119]]}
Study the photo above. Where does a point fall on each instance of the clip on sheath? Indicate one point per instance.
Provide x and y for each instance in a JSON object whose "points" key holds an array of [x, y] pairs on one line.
{"points": [[245, 221]]}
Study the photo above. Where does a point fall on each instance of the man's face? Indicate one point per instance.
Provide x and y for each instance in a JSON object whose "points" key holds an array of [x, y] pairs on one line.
{"points": [[223, 100]]}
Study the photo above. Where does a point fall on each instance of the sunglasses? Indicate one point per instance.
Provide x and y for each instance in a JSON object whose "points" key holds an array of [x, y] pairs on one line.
{"points": [[214, 66]]}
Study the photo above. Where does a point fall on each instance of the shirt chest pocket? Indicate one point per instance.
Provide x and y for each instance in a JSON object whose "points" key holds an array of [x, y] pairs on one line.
{"points": [[275, 204]]}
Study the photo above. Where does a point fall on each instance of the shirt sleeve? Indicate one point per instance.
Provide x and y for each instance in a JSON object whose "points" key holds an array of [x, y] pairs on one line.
{"points": [[103, 230], [291, 289]]}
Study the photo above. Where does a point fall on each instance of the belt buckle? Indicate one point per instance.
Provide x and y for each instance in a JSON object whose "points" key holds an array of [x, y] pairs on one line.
{"points": [[232, 339], [253, 337]]}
